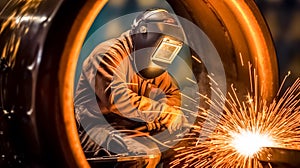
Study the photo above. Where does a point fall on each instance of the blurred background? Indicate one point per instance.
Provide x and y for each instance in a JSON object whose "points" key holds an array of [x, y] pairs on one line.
{"points": [[282, 16]]}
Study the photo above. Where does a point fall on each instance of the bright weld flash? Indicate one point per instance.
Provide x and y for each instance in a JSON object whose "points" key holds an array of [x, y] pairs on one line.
{"points": [[249, 143]]}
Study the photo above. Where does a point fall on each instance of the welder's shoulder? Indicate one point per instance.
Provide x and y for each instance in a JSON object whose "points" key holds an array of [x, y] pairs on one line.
{"points": [[97, 54], [120, 45], [115, 49], [105, 47]]}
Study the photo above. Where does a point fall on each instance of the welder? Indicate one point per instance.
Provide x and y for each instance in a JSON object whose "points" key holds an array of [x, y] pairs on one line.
{"points": [[124, 85]]}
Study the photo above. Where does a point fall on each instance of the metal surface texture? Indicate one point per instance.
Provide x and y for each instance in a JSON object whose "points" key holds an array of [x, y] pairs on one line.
{"points": [[279, 157], [24, 27], [237, 28], [40, 45]]}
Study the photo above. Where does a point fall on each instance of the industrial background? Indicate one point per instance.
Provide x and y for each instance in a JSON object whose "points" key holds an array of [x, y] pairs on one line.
{"points": [[282, 17]]}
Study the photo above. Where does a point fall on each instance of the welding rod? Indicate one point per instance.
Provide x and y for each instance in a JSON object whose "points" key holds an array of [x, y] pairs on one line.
{"points": [[187, 125]]}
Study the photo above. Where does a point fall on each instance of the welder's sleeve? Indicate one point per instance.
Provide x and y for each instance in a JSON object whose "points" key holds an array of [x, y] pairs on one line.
{"points": [[112, 80], [170, 88]]}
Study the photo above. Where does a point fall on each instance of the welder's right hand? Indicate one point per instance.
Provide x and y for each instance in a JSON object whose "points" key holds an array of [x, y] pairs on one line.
{"points": [[172, 118]]}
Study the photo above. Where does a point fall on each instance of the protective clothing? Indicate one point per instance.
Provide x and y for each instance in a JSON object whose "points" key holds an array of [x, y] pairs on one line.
{"points": [[173, 118], [111, 96]]}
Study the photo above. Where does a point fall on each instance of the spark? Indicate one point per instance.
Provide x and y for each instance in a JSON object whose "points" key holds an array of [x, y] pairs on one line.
{"points": [[248, 143], [191, 80], [184, 95], [241, 57], [211, 79], [235, 131], [134, 84], [197, 59], [14, 24]]}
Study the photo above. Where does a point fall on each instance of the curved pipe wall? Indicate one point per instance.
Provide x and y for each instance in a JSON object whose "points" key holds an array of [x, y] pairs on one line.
{"points": [[41, 41]]}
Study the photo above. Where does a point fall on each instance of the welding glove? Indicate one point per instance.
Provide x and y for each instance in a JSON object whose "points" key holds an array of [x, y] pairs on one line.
{"points": [[123, 144], [172, 118], [154, 126]]}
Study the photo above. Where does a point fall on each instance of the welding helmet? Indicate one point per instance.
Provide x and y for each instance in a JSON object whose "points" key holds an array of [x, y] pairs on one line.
{"points": [[157, 38]]}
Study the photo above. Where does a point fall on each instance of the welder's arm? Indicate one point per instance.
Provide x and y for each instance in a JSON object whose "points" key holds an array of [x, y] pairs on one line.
{"points": [[170, 88], [111, 88], [170, 117], [155, 113]]}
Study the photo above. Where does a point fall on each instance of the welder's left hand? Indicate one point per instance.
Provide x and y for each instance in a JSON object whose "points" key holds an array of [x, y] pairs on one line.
{"points": [[172, 118], [154, 126]]}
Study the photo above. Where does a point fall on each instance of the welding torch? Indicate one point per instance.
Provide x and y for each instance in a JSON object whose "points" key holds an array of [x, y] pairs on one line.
{"points": [[160, 125], [186, 125], [145, 128]]}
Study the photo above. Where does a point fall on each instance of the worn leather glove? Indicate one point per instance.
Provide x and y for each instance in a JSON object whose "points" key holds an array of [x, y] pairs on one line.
{"points": [[154, 126], [172, 118]]}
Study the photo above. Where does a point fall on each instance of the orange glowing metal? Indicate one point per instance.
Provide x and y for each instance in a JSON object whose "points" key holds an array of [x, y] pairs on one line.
{"points": [[248, 143], [235, 131]]}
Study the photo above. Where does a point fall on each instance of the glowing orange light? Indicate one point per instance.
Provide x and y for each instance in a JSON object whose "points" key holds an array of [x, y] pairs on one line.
{"points": [[235, 131], [249, 143]]}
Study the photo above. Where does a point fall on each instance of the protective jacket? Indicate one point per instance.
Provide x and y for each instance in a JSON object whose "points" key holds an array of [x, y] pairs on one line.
{"points": [[110, 93]]}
